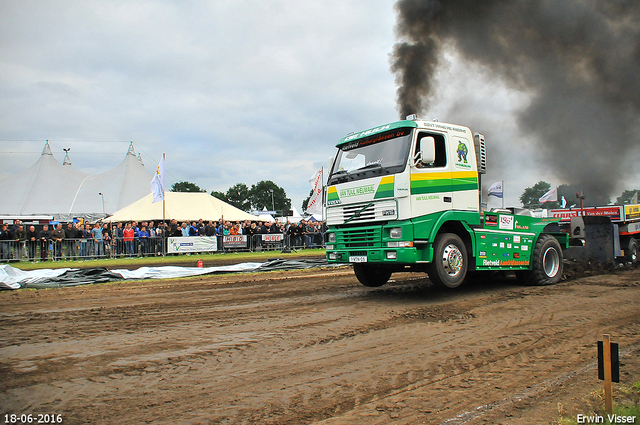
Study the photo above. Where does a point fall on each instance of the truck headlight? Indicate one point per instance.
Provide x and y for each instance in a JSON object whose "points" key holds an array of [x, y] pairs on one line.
{"points": [[332, 237], [400, 244], [333, 256], [395, 233]]}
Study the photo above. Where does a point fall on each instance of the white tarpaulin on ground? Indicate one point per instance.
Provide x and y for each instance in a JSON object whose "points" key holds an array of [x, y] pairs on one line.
{"points": [[165, 272], [12, 278]]}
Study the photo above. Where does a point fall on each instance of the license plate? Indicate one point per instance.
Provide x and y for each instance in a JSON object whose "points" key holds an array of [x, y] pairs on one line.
{"points": [[358, 259]]}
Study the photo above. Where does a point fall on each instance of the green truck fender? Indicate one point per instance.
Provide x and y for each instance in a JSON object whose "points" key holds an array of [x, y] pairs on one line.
{"points": [[550, 226], [459, 222]]}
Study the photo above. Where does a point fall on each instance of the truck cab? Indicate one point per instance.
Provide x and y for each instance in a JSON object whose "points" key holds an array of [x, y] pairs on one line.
{"points": [[405, 196]]}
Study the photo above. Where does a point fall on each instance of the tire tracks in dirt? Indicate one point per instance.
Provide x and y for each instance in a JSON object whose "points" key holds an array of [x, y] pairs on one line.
{"points": [[298, 347]]}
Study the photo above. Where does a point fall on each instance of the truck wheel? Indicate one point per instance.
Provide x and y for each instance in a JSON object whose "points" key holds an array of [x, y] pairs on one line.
{"points": [[546, 263], [449, 266], [632, 252], [371, 276]]}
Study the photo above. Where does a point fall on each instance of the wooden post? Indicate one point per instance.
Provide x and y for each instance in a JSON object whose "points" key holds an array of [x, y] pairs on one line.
{"points": [[606, 346]]}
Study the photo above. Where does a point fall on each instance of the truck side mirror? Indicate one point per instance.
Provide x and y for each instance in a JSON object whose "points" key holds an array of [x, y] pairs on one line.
{"points": [[427, 150]]}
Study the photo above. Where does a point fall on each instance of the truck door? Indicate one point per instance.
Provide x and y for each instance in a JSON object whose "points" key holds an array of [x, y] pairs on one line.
{"points": [[464, 174], [431, 184]]}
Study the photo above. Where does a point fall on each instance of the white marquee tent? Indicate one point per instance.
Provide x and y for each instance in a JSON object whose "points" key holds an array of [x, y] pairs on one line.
{"points": [[265, 216], [181, 207], [51, 188]]}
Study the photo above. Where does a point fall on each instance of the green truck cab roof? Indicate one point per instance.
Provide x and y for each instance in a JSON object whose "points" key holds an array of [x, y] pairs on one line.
{"points": [[419, 123]]}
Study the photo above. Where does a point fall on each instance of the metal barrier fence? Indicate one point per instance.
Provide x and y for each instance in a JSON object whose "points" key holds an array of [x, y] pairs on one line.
{"points": [[85, 249]]}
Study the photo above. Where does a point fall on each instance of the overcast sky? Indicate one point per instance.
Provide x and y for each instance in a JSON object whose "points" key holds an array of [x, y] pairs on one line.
{"points": [[232, 91]]}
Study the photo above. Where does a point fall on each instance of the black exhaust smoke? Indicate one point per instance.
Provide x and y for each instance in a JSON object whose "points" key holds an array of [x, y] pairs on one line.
{"points": [[578, 59]]}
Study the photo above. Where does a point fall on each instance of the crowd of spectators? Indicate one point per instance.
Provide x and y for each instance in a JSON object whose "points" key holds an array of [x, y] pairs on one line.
{"points": [[77, 240]]}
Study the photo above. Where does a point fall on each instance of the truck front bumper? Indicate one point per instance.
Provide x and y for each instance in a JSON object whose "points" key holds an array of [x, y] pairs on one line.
{"points": [[389, 256]]}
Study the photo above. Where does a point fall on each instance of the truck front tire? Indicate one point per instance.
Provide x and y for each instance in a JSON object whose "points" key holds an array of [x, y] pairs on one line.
{"points": [[371, 276], [450, 261], [546, 267]]}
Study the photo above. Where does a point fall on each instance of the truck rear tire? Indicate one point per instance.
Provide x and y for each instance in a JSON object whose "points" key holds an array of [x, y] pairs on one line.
{"points": [[371, 276], [546, 263], [450, 261], [632, 251]]}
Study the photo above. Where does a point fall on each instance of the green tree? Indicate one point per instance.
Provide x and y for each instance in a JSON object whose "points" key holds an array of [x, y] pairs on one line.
{"points": [[531, 195], [260, 196], [220, 195], [238, 196], [186, 187], [626, 196]]}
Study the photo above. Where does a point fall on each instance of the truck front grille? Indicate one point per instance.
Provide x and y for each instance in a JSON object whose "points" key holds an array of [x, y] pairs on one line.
{"points": [[361, 238], [362, 213]]}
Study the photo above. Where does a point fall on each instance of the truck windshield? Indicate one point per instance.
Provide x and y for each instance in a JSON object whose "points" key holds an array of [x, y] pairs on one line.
{"points": [[384, 153]]}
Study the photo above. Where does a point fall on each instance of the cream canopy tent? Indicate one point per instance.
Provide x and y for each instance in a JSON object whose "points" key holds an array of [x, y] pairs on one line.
{"points": [[51, 188], [181, 206]]}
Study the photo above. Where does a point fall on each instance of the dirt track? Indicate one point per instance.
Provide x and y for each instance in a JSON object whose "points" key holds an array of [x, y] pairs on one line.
{"points": [[312, 347]]}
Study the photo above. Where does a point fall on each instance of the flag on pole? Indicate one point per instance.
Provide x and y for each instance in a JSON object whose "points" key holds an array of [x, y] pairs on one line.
{"points": [[634, 198], [157, 183], [496, 190], [551, 195], [315, 201]]}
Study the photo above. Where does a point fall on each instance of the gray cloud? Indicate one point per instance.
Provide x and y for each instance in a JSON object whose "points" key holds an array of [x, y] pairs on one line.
{"points": [[250, 90], [231, 91]]}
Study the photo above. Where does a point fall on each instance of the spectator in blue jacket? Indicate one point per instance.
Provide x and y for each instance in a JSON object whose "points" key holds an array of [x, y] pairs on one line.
{"points": [[193, 230]]}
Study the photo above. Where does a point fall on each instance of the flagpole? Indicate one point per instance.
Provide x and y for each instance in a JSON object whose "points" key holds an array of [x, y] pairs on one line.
{"points": [[164, 238], [322, 196]]}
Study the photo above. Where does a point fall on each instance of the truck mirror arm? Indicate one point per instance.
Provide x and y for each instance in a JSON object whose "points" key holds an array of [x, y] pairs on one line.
{"points": [[417, 157]]}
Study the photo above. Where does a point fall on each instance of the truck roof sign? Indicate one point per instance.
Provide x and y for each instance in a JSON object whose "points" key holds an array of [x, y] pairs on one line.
{"points": [[375, 130], [437, 126]]}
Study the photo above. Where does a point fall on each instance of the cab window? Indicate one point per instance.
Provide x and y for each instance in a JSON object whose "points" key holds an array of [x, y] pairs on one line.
{"points": [[441, 151]]}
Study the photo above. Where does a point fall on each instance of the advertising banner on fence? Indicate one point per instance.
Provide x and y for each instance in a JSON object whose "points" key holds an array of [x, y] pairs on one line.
{"points": [[235, 241], [192, 244], [273, 238]]}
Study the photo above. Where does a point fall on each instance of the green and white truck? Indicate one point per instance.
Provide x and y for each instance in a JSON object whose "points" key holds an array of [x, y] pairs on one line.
{"points": [[405, 196]]}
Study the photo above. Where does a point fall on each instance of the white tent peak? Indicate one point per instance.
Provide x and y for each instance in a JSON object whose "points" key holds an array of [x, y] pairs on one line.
{"points": [[51, 188], [131, 150], [47, 149], [67, 160]]}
